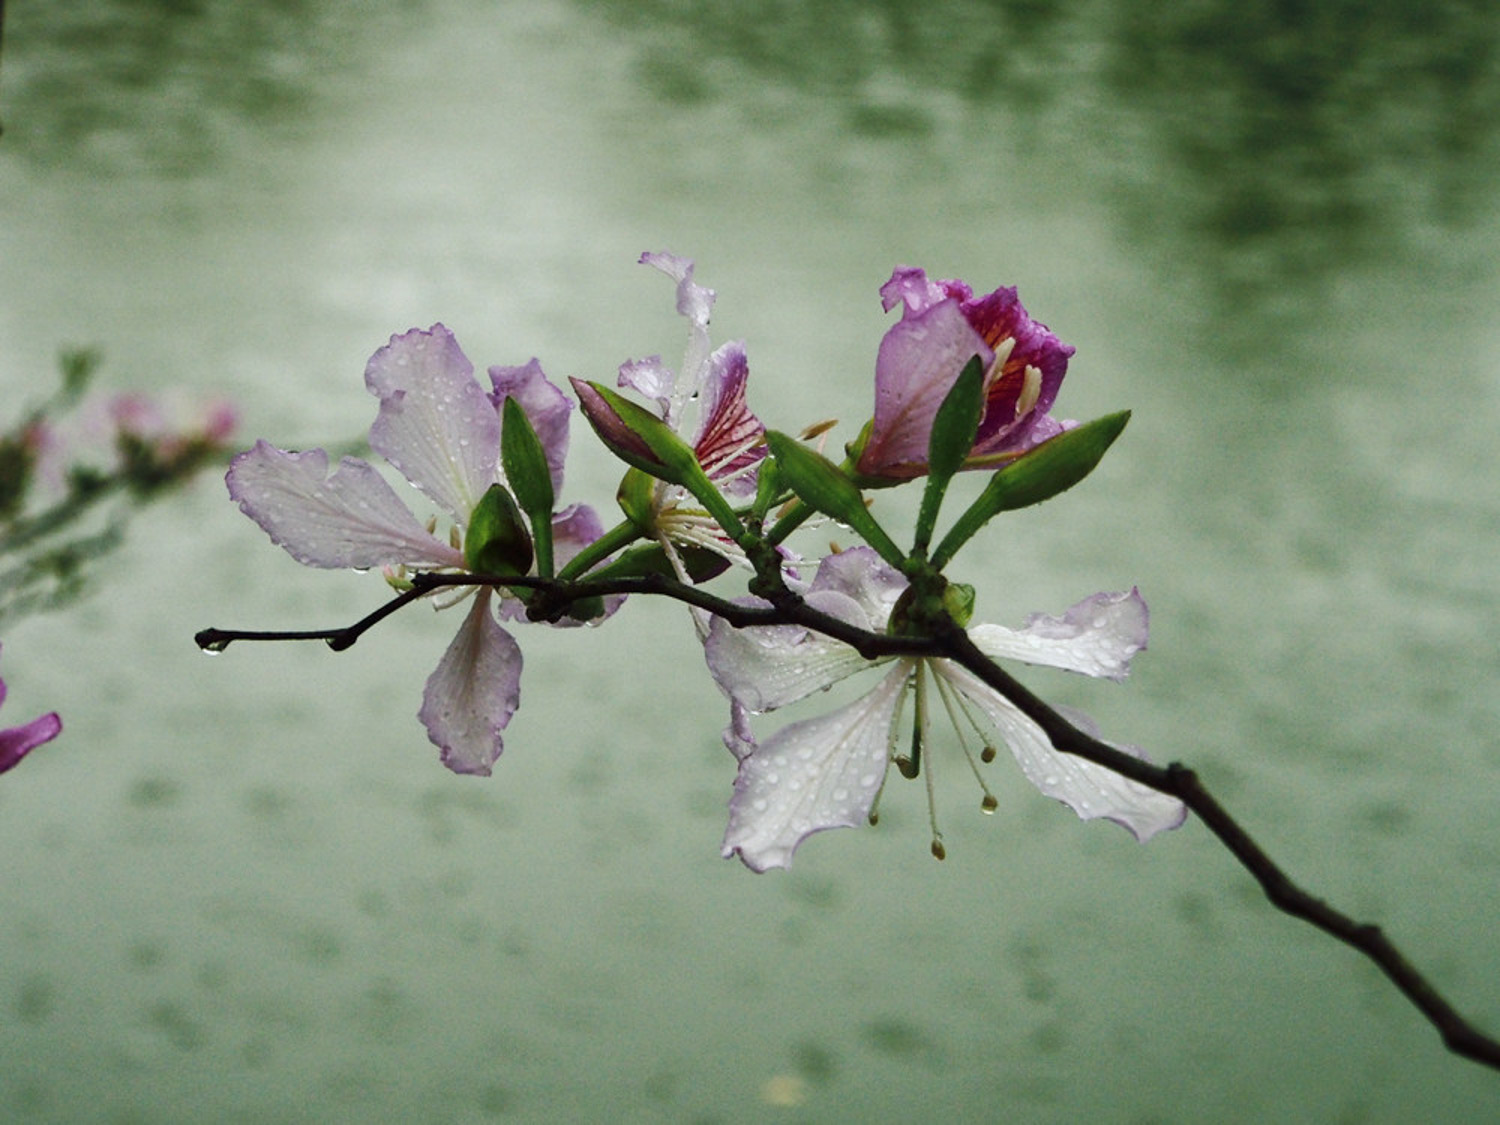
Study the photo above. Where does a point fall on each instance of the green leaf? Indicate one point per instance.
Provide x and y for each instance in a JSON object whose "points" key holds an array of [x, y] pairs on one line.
{"points": [[1039, 474], [823, 486], [524, 460], [496, 541], [954, 428]]}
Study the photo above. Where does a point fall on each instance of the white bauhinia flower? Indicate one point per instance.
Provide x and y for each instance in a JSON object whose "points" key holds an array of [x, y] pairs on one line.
{"points": [[827, 772]]}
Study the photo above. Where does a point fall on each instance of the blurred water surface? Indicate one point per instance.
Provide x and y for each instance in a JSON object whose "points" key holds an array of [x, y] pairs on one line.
{"points": [[243, 889]]}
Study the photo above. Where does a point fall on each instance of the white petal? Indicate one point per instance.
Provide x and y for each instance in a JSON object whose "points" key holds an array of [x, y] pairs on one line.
{"points": [[435, 424], [350, 519], [474, 691], [818, 774], [1089, 790], [766, 668], [1097, 637]]}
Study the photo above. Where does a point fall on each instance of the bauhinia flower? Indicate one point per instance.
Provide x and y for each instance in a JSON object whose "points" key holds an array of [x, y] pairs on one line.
{"points": [[827, 772], [441, 430], [17, 742], [942, 327], [728, 440]]}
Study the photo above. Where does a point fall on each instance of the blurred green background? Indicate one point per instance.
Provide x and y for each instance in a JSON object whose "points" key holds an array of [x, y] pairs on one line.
{"points": [[243, 889]]}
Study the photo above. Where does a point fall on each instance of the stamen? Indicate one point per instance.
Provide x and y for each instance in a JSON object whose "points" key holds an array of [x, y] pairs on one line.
{"points": [[1002, 352], [938, 851], [953, 703], [817, 429], [890, 753], [1031, 390], [910, 765]]}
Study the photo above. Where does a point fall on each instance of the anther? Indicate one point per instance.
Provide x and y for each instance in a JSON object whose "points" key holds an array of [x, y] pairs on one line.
{"points": [[989, 804], [938, 851], [817, 429], [987, 754]]}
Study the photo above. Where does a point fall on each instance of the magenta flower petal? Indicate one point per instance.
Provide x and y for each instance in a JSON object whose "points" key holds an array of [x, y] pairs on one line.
{"points": [[546, 407], [918, 363], [350, 519], [435, 423], [1025, 387], [473, 693], [17, 742]]}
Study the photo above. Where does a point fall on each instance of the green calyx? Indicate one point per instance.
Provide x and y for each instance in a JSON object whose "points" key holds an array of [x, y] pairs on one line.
{"points": [[524, 460], [497, 541]]}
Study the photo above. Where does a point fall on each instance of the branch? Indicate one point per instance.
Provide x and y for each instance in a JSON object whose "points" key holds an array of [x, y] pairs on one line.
{"points": [[552, 597]]}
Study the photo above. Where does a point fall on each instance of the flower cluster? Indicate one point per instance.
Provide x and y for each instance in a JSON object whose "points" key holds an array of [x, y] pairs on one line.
{"points": [[961, 383]]}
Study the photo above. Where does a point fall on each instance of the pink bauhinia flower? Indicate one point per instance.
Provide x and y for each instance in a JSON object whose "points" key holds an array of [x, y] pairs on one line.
{"points": [[942, 327], [441, 430], [728, 439]]}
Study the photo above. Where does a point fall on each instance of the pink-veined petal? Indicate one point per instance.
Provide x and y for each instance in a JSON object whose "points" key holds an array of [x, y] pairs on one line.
{"points": [[546, 407], [435, 424], [1088, 789], [813, 775], [1023, 390], [730, 438], [474, 691], [1097, 636], [919, 361], [350, 519]]}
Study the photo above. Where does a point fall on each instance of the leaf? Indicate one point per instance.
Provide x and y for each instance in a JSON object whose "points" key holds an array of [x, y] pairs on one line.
{"points": [[823, 486], [524, 460], [1037, 475], [954, 428]]}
